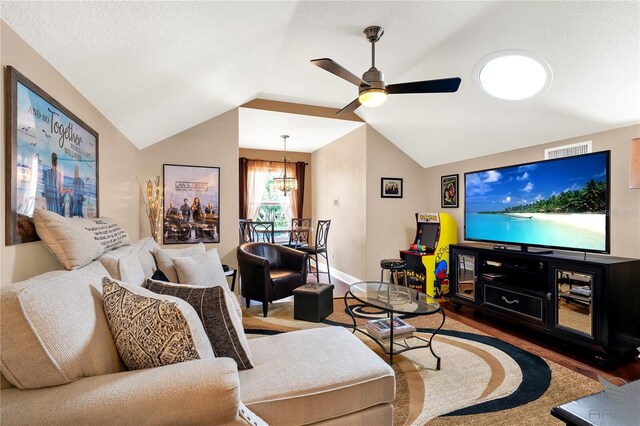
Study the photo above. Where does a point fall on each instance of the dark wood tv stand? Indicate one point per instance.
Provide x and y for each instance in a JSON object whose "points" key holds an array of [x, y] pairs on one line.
{"points": [[591, 300]]}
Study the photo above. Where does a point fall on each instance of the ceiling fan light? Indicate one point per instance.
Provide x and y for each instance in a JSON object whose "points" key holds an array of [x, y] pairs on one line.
{"points": [[513, 75], [372, 97]]}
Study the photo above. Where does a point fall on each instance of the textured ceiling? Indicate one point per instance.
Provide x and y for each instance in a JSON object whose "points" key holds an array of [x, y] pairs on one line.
{"points": [[260, 129], [157, 68]]}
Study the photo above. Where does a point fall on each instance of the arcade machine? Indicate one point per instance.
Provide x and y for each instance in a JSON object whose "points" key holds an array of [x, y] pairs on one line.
{"points": [[428, 257]]}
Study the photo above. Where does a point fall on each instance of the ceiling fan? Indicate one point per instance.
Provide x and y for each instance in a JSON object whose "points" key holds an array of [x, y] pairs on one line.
{"points": [[372, 90]]}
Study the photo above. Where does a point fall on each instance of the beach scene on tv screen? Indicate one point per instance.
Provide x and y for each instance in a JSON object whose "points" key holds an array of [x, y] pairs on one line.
{"points": [[559, 203]]}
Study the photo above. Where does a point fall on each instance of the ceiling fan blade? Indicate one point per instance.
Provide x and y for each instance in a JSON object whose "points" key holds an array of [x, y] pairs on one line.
{"points": [[349, 108], [445, 85], [337, 69]]}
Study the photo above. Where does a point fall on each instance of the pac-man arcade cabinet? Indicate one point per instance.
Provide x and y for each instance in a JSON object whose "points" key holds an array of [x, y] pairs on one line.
{"points": [[428, 259]]}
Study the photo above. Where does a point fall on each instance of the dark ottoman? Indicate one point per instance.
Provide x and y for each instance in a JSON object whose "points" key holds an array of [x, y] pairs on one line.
{"points": [[313, 302]]}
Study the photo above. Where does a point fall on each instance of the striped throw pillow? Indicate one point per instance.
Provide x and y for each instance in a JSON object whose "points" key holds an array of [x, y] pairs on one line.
{"points": [[216, 311]]}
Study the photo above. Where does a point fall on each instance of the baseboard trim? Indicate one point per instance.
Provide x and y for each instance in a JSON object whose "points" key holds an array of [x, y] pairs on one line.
{"points": [[342, 276]]}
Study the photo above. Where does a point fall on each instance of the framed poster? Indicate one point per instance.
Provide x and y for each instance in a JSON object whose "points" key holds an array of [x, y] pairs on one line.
{"points": [[449, 191], [390, 187], [51, 159], [191, 204]]}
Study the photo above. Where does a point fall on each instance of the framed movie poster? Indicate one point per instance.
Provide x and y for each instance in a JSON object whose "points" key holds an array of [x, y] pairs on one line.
{"points": [[449, 191], [52, 159], [191, 204], [390, 187]]}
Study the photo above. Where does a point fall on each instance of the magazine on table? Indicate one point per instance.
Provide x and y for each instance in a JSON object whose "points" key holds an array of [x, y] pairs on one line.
{"points": [[382, 328]]}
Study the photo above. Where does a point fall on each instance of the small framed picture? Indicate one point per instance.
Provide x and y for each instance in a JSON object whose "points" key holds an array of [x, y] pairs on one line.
{"points": [[390, 187], [449, 191]]}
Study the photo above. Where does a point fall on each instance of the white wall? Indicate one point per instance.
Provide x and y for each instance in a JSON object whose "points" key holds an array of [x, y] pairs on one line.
{"points": [[391, 223], [625, 202], [339, 173], [118, 192], [365, 228], [212, 143]]}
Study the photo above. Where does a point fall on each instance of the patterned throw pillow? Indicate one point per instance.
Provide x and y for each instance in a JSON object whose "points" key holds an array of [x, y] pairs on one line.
{"points": [[151, 330], [215, 309]]}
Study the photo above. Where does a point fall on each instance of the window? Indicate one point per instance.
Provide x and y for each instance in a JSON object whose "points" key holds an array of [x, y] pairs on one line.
{"points": [[275, 206]]}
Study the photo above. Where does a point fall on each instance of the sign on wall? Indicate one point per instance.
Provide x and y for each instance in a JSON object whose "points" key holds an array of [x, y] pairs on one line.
{"points": [[191, 204], [52, 159]]}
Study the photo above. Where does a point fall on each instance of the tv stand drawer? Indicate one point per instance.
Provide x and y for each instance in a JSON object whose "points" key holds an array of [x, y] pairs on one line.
{"points": [[513, 301]]}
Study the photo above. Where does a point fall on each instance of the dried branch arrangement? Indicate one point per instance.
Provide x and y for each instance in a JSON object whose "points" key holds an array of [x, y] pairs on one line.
{"points": [[153, 204]]}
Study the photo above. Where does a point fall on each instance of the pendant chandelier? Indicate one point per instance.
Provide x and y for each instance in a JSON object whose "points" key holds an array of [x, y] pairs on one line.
{"points": [[284, 183]]}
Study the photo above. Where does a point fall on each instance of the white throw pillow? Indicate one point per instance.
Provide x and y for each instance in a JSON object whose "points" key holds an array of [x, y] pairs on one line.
{"points": [[151, 330], [164, 259], [76, 242], [205, 269]]}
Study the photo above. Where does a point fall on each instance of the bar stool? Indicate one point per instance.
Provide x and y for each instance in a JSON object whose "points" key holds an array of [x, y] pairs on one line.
{"points": [[393, 266]]}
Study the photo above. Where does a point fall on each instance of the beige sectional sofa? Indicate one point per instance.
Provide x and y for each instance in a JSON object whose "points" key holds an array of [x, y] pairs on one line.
{"points": [[60, 365]]}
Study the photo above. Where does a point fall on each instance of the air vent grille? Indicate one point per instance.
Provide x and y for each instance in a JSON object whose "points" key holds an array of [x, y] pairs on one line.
{"points": [[567, 150]]}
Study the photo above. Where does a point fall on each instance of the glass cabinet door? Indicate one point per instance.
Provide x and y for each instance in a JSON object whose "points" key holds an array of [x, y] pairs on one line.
{"points": [[575, 307], [465, 285]]}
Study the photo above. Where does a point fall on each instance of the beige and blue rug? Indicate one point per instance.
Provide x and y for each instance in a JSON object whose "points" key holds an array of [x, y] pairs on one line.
{"points": [[482, 380]]}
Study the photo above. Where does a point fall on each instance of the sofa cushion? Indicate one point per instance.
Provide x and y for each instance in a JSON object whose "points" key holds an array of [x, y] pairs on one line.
{"points": [[205, 269], [312, 375], [131, 269], [217, 313], [133, 263], [54, 330], [111, 260], [144, 248], [164, 259], [76, 242], [152, 330]]}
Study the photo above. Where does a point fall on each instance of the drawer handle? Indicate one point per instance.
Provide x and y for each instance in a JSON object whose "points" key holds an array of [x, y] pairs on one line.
{"points": [[510, 302]]}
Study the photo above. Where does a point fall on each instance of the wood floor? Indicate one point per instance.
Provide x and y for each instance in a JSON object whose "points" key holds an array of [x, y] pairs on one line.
{"points": [[568, 355]]}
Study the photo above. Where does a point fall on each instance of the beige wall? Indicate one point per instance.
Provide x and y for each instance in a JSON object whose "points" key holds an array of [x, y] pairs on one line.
{"points": [[391, 222], [212, 143], [117, 158], [625, 202], [365, 228], [263, 154], [339, 173]]}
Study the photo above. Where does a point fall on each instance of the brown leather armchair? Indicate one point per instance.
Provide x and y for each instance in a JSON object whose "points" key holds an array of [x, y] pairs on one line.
{"points": [[270, 272]]}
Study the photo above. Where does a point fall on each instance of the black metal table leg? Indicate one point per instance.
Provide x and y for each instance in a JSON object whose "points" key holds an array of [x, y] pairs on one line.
{"points": [[431, 340]]}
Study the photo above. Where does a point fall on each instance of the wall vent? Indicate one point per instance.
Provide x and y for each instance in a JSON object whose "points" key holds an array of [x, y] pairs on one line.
{"points": [[567, 150]]}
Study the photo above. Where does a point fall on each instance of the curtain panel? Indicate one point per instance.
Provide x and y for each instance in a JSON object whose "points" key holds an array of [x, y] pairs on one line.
{"points": [[253, 176]]}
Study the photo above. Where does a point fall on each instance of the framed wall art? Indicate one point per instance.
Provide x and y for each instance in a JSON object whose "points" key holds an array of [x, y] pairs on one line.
{"points": [[51, 159], [390, 187], [191, 204], [449, 191]]}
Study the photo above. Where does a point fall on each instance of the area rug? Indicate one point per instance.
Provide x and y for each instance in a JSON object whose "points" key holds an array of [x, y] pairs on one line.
{"points": [[482, 380]]}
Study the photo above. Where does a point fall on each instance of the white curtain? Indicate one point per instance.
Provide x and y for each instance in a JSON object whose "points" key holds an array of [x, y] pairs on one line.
{"points": [[257, 176]]}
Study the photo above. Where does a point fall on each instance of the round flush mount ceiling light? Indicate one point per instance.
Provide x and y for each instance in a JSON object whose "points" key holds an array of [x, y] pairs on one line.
{"points": [[513, 75]]}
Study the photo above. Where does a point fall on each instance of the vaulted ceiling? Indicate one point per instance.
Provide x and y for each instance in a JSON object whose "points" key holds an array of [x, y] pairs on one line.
{"points": [[157, 68]]}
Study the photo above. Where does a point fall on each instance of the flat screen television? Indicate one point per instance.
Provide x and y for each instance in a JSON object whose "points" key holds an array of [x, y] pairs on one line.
{"points": [[561, 203]]}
